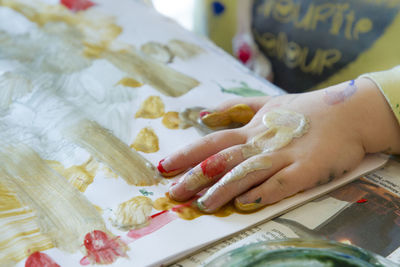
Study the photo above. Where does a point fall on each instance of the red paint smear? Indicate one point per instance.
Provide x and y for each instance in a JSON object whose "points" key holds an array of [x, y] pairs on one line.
{"points": [[156, 222], [244, 53], [213, 165], [102, 249], [363, 200], [77, 5], [178, 208], [38, 259], [158, 214]]}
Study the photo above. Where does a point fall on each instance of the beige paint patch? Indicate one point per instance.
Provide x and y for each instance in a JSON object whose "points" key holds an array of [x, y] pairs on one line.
{"points": [[196, 180], [79, 176], [20, 231], [157, 51], [146, 141], [190, 117], [149, 71], [108, 172], [111, 151], [171, 120], [63, 213], [133, 213], [151, 108], [239, 114], [129, 82], [184, 50]]}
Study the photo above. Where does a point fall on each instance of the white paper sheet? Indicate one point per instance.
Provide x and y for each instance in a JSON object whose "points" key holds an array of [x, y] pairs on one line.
{"points": [[213, 68]]}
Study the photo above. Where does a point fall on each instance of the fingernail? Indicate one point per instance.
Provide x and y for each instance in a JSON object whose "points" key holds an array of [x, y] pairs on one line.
{"points": [[160, 166], [203, 113], [243, 206], [201, 206], [165, 172]]}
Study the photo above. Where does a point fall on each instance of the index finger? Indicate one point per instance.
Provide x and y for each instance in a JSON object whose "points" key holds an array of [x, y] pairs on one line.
{"points": [[194, 153]]}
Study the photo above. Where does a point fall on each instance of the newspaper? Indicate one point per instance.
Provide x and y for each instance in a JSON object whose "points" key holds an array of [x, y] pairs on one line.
{"points": [[364, 213]]}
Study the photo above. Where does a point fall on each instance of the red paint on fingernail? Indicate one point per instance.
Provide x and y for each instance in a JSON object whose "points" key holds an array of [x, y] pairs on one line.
{"points": [[102, 249], [160, 166], [157, 221], [213, 165], [363, 200], [164, 172], [203, 113], [39, 259], [77, 5]]}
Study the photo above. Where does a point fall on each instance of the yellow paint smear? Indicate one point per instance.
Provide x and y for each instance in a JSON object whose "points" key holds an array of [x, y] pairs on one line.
{"points": [[189, 212], [96, 30], [79, 176], [151, 108], [240, 113], [149, 71], [184, 50], [171, 120], [63, 213], [97, 34], [111, 151], [157, 51], [20, 231], [146, 141], [129, 82], [133, 213]]}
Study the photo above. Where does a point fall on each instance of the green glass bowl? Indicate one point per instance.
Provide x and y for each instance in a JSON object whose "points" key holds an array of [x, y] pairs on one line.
{"points": [[300, 252]]}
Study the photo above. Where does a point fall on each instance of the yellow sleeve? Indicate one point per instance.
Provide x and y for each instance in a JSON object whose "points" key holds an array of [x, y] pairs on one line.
{"points": [[389, 83]]}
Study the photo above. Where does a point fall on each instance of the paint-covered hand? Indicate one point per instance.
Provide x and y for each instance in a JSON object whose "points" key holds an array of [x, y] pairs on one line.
{"points": [[294, 142]]}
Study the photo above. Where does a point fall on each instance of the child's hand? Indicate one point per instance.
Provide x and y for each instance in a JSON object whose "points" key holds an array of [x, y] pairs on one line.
{"points": [[345, 122]]}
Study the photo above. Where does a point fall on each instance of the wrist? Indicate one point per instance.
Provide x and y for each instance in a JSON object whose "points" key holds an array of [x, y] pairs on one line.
{"points": [[378, 126]]}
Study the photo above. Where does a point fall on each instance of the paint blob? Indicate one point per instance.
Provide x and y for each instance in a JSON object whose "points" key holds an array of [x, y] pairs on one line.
{"points": [[133, 213], [129, 82], [239, 114], [77, 5], [38, 259], [79, 176], [146, 141], [151, 108], [171, 120], [103, 249]]}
